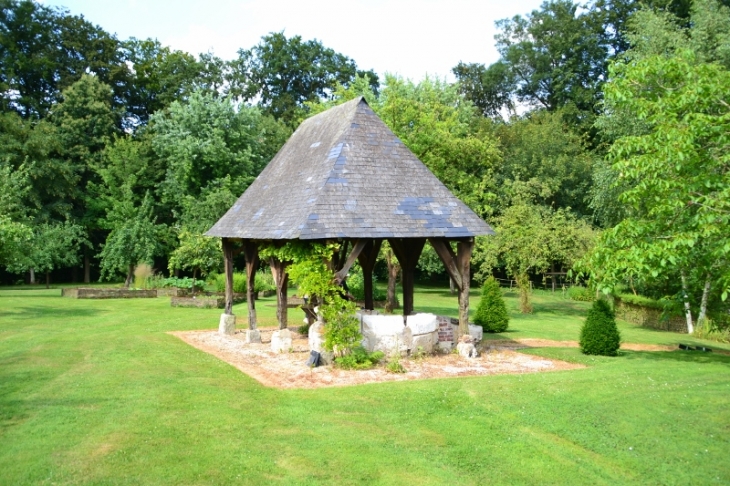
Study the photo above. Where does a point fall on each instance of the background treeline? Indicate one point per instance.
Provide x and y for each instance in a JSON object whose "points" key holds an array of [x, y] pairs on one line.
{"points": [[597, 142]]}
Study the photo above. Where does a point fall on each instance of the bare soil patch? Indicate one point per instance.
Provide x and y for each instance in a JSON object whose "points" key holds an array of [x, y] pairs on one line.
{"points": [[547, 343], [288, 370]]}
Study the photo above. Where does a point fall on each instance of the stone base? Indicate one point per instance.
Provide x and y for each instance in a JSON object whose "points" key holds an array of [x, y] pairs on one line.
{"points": [[227, 325], [445, 346], [281, 341], [253, 336]]}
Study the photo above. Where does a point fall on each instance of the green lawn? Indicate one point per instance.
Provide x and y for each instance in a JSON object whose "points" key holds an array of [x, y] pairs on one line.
{"points": [[96, 392]]}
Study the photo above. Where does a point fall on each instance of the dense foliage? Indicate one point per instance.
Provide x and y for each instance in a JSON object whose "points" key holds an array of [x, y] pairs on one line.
{"points": [[491, 312], [597, 142], [599, 334]]}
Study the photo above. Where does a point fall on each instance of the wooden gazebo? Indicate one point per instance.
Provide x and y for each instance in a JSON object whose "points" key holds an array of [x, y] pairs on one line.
{"points": [[344, 176]]}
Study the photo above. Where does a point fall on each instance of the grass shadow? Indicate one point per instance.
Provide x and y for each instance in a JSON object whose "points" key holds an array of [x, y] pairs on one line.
{"points": [[25, 313], [699, 357]]}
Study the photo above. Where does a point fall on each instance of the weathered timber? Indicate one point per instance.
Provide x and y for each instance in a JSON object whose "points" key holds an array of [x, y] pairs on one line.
{"points": [[367, 258], [464, 250], [356, 249], [251, 252], [407, 251], [281, 278], [227, 245]]}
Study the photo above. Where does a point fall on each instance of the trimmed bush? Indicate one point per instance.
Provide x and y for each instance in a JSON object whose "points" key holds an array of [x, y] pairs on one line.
{"points": [[239, 283], [492, 312], [582, 294], [599, 334]]}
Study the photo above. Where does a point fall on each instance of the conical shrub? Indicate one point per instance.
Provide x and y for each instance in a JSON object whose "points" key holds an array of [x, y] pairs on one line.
{"points": [[599, 334], [492, 311]]}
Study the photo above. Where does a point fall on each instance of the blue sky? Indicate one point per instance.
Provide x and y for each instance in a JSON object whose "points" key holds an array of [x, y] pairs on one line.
{"points": [[411, 38]]}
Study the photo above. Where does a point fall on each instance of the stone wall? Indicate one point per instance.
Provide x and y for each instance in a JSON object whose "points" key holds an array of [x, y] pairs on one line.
{"points": [[100, 293], [423, 332], [209, 301], [648, 317]]}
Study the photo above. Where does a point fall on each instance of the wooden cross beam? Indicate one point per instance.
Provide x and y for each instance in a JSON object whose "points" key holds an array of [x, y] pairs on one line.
{"points": [[356, 249]]}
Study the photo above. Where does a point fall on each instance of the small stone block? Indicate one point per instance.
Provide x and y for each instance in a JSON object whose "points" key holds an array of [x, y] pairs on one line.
{"points": [[227, 325], [253, 336]]}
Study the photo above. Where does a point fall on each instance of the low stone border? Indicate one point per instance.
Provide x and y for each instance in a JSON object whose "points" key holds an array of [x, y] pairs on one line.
{"points": [[93, 293], [206, 301], [648, 317]]}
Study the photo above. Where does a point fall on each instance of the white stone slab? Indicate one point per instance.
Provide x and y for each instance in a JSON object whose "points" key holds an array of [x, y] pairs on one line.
{"points": [[281, 341], [423, 323]]}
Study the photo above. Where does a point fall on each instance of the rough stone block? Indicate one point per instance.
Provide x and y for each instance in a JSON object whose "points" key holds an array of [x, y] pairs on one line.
{"points": [[227, 324], [425, 342], [253, 336], [281, 341], [316, 343], [423, 323], [476, 332]]}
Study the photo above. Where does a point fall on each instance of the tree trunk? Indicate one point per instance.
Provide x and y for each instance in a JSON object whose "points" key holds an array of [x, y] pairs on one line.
{"points": [[195, 273], [452, 286], [391, 298], [703, 304], [48, 279], [32, 276], [685, 298], [87, 267], [523, 283], [130, 277]]}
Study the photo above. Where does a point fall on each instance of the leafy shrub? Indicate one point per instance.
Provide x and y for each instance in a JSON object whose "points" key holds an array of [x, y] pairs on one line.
{"points": [[356, 284], [582, 294], [599, 334], [359, 359], [492, 312], [239, 283], [394, 365], [666, 305], [264, 280], [341, 331], [710, 330]]}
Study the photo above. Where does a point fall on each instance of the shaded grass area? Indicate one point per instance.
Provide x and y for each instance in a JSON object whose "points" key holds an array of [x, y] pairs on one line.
{"points": [[96, 392]]}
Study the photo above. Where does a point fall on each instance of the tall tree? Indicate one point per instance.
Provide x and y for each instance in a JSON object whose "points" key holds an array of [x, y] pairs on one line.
{"points": [[552, 58], [678, 174], [161, 76], [543, 151], [207, 141], [283, 73], [44, 50], [134, 238]]}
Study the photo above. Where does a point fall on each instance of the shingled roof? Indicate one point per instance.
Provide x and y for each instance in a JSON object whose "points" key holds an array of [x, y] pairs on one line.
{"points": [[344, 174]]}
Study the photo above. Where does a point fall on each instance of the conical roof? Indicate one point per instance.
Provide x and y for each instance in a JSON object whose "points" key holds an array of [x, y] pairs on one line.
{"points": [[344, 174]]}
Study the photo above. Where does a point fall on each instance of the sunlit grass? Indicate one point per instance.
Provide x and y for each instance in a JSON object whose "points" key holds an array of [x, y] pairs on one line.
{"points": [[96, 392]]}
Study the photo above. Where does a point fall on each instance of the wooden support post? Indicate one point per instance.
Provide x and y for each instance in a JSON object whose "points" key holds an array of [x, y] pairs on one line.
{"points": [[458, 267], [251, 251], [367, 258], [407, 251], [227, 245], [463, 259], [281, 278], [448, 258], [356, 249]]}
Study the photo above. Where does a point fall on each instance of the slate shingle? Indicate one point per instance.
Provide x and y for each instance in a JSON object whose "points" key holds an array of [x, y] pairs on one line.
{"points": [[344, 174]]}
